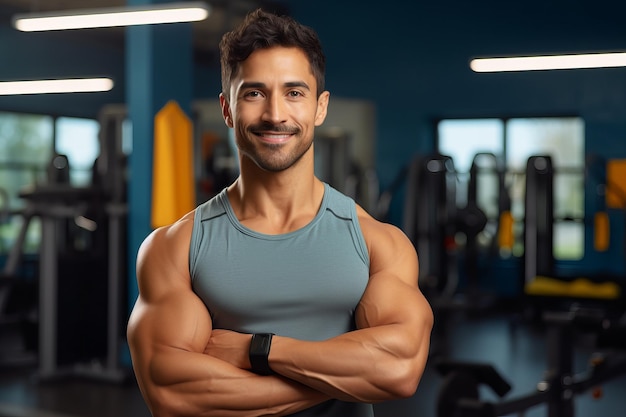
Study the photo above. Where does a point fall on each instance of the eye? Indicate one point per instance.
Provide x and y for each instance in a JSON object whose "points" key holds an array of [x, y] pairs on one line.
{"points": [[252, 94], [295, 94]]}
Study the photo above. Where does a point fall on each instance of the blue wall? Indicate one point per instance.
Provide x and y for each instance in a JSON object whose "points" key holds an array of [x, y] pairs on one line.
{"points": [[410, 59], [25, 56]]}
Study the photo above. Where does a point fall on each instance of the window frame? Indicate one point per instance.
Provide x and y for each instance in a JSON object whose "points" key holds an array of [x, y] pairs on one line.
{"points": [[560, 219], [10, 226]]}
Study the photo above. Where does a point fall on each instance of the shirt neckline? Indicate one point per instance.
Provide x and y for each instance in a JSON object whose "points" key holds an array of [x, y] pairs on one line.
{"points": [[250, 232]]}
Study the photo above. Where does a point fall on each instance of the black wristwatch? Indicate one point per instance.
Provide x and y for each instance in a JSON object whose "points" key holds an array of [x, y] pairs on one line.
{"points": [[259, 351]]}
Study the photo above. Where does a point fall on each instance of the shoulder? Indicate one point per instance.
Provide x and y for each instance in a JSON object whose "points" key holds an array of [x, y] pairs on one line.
{"points": [[386, 243], [374, 229], [169, 237], [162, 256]]}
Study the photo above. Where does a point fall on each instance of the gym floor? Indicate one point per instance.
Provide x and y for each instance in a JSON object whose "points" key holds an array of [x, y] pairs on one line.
{"points": [[514, 346]]}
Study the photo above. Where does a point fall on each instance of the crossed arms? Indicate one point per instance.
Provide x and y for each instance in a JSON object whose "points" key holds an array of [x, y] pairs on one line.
{"points": [[184, 367]]}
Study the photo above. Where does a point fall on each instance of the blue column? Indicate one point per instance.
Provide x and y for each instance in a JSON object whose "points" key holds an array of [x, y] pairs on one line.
{"points": [[159, 68]]}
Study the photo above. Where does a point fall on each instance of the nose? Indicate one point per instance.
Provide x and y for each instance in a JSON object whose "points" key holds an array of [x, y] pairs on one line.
{"points": [[275, 110]]}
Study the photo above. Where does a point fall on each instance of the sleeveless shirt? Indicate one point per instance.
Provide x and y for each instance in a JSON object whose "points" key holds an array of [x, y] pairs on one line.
{"points": [[303, 284]]}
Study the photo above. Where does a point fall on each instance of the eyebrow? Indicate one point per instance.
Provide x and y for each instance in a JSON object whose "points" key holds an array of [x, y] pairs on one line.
{"points": [[290, 84]]}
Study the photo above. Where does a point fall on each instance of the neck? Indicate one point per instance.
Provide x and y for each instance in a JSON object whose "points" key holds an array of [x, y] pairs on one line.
{"points": [[275, 202]]}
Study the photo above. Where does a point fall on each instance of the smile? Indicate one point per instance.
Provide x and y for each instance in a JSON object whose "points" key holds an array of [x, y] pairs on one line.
{"points": [[274, 137]]}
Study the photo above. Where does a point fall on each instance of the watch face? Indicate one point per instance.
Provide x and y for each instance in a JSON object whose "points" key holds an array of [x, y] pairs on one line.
{"points": [[263, 344], [259, 351]]}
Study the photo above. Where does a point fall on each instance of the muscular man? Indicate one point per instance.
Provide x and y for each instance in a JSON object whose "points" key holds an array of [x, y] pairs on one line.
{"points": [[280, 296]]}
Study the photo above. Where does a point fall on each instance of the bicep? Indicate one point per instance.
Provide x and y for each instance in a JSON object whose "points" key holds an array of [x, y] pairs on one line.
{"points": [[388, 300], [393, 309], [392, 295], [159, 331], [178, 321], [168, 317]]}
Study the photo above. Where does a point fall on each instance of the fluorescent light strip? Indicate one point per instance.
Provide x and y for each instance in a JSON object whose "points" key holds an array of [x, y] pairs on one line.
{"points": [[549, 62], [112, 17], [70, 85]]}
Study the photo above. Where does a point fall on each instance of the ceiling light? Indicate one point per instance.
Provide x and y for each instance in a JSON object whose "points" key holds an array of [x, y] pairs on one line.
{"points": [[71, 85], [112, 16], [549, 62]]}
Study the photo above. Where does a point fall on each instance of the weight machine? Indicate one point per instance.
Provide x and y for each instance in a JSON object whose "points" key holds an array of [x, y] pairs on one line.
{"points": [[542, 286], [81, 262], [484, 223], [429, 218], [460, 394], [433, 220]]}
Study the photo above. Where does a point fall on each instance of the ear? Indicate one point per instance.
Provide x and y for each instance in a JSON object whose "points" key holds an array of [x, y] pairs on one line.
{"points": [[322, 108], [226, 114]]}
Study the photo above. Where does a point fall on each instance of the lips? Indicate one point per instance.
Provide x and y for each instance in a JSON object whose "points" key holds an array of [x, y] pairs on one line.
{"points": [[274, 137]]}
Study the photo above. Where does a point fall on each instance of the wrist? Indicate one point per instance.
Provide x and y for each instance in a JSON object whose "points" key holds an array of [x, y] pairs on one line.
{"points": [[259, 351]]}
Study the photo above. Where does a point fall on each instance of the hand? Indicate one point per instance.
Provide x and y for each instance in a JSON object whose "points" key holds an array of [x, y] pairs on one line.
{"points": [[231, 347]]}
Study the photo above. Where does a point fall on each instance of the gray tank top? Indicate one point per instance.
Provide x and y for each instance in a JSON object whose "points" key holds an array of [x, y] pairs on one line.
{"points": [[304, 284]]}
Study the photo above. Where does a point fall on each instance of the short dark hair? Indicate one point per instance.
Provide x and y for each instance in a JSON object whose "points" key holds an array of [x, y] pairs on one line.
{"points": [[262, 30]]}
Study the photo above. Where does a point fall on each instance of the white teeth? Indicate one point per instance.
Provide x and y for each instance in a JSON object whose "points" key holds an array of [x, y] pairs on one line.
{"points": [[283, 136]]}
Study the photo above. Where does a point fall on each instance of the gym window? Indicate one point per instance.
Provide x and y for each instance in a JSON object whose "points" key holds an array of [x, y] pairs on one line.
{"points": [[513, 141], [78, 139], [27, 144]]}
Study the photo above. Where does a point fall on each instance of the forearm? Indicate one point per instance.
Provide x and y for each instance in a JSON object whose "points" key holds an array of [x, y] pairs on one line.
{"points": [[376, 363], [384, 359], [191, 384], [367, 365]]}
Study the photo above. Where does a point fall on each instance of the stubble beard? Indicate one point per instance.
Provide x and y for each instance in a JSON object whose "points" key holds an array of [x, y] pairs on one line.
{"points": [[270, 156], [271, 159]]}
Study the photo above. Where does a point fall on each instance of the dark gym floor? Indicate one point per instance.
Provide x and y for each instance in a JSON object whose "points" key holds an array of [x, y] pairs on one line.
{"points": [[515, 347]]}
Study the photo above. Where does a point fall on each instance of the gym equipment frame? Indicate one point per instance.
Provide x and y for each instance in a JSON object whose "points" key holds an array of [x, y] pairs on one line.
{"points": [[459, 395]]}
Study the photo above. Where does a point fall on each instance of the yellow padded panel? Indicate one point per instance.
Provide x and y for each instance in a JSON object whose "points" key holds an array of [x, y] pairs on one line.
{"points": [[505, 231], [616, 178], [173, 187], [601, 231], [577, 288]]}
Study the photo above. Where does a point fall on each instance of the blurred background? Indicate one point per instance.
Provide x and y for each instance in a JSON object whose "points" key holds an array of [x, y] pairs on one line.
{"points": [[511, 185]]}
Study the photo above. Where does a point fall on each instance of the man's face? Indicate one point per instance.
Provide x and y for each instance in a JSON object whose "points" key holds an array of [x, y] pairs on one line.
{"points": [[274, 108]]}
